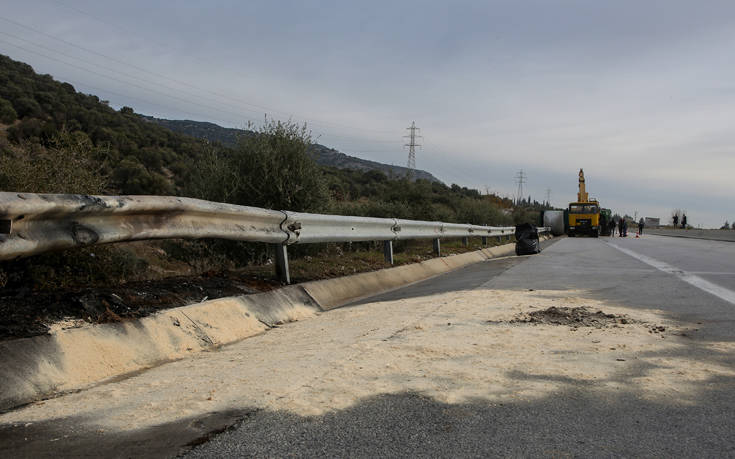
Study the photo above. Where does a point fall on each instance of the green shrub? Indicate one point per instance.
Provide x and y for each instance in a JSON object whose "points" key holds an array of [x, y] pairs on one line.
{"points": [[7, 112], [132, 177], [66, 166], [27, 108], [271, 169]]}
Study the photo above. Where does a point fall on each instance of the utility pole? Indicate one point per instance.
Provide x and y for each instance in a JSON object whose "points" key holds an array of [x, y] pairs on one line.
{"points": [[548, 197], [412, 136], [520, 180]]}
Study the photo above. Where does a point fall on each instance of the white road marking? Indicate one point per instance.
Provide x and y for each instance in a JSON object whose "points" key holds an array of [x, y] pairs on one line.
{"points": [[690, 278]]}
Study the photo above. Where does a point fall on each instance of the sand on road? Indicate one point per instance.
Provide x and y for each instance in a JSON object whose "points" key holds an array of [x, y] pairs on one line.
{"points": [[453, 347]]}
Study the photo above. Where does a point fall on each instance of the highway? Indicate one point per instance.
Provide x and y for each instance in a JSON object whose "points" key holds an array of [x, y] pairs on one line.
{"points": [[451, 366]]}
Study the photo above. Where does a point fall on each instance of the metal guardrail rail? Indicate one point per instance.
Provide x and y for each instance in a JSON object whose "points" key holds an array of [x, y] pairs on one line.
{"points": [[35, 223]]}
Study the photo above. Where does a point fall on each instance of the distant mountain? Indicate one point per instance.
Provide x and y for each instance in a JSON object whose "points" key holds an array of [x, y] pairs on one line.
{"points": [[323, 155]]}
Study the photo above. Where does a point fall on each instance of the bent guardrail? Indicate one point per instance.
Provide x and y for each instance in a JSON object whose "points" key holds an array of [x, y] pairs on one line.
{"points": [[35, 223]]}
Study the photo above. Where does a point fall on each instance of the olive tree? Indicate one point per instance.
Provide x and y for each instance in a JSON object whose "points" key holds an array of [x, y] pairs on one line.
{"points": [[269, 168]]}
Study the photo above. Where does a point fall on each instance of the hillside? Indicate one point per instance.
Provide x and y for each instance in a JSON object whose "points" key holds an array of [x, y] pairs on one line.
{"points": [[323, 155], [136, 156]]}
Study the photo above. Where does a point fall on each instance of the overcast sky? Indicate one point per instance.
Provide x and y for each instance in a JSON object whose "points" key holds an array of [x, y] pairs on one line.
{"points": [[641, 94]]}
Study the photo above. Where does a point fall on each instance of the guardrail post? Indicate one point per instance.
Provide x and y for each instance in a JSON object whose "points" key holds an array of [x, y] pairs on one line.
{"points": [[388, 251], [282, 263], [484, 241], [437, 247], [466, 241]]}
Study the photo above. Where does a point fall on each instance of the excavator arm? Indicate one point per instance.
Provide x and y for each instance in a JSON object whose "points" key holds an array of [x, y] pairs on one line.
{"points": [[582, 196]]}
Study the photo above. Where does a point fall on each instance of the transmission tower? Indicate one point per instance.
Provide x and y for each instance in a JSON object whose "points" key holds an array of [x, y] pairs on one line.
{"points": [[520, 180], [412, 145]]}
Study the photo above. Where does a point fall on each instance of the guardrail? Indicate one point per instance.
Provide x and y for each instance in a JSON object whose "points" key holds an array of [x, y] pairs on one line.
{"points": [[35, 223]]}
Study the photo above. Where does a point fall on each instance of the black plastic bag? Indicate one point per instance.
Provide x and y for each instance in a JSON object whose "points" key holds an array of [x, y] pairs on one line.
{"points": [[527, 242]]}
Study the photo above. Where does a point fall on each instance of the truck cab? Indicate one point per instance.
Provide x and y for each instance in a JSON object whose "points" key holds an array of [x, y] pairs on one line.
{"points": [[584, 218]]}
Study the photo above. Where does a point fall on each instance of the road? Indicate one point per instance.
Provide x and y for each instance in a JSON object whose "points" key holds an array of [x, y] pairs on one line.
{"points": [[448, 367]]}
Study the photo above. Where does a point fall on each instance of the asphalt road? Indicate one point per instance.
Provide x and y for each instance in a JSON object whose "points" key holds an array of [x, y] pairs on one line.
{"points": [[577, 421]]}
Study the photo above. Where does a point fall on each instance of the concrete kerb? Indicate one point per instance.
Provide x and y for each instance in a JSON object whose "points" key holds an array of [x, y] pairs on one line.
{"points": [[73, 359]]}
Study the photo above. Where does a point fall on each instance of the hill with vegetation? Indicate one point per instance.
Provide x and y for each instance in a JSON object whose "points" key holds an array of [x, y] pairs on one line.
{"points": [[323, 155], [55, 139]]}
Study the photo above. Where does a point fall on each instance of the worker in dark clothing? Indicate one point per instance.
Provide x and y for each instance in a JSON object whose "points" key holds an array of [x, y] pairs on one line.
{"points": [[625, 228], [683, 221], [621, 222], [612, 227], [641, 224], [676, 221]]}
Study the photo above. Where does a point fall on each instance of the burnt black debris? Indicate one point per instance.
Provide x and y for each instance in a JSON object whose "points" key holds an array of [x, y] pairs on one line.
{"points": [[25, 312], [574, 317]]}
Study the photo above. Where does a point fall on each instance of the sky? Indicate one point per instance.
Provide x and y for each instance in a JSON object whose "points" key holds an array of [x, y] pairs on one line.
{"points": [[641, 94]]}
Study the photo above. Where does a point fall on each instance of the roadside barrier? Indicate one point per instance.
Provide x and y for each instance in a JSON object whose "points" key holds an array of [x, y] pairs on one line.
{"points": [[35, 223]]}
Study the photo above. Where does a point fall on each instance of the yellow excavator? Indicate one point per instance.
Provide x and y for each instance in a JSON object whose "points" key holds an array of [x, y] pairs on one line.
{"points": [[584, 214]]}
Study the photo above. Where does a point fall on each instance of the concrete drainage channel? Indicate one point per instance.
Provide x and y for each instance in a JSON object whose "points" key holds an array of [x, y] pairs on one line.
{"points": [[73, 359]]}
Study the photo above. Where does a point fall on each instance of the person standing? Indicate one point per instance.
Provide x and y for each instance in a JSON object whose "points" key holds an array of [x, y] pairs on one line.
{"points": [[612, 227], [641, 224], [625, 228], [684, 221], [676, 220], [621, 222]]}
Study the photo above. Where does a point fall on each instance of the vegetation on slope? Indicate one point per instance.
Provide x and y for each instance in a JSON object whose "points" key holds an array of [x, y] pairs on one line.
{"points": [[324, 156]]}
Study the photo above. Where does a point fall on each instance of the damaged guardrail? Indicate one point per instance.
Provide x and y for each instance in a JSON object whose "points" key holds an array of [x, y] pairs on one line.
{"points": [[35, 223]]}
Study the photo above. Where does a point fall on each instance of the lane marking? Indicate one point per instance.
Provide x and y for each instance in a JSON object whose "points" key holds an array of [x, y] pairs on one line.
{"points": [[692, 279]]}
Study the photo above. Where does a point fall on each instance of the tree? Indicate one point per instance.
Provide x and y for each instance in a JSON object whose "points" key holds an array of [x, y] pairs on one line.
{"points": [[271, 169], [27, 107], [132, 177], [726, 225], [7, 112]]}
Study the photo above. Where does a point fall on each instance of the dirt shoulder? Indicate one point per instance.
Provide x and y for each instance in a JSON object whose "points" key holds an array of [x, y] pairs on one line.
{"points": [[31, 309]]}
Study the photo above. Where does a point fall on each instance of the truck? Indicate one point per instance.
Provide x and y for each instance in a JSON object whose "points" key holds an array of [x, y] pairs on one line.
{"points": [[584, 213], [606, 217]]}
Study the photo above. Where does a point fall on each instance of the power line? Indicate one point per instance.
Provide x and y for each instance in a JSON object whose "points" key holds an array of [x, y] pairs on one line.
{"points": [[412, 145], [235, 115], [211, 107], [120, 73], [224, 96]]}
